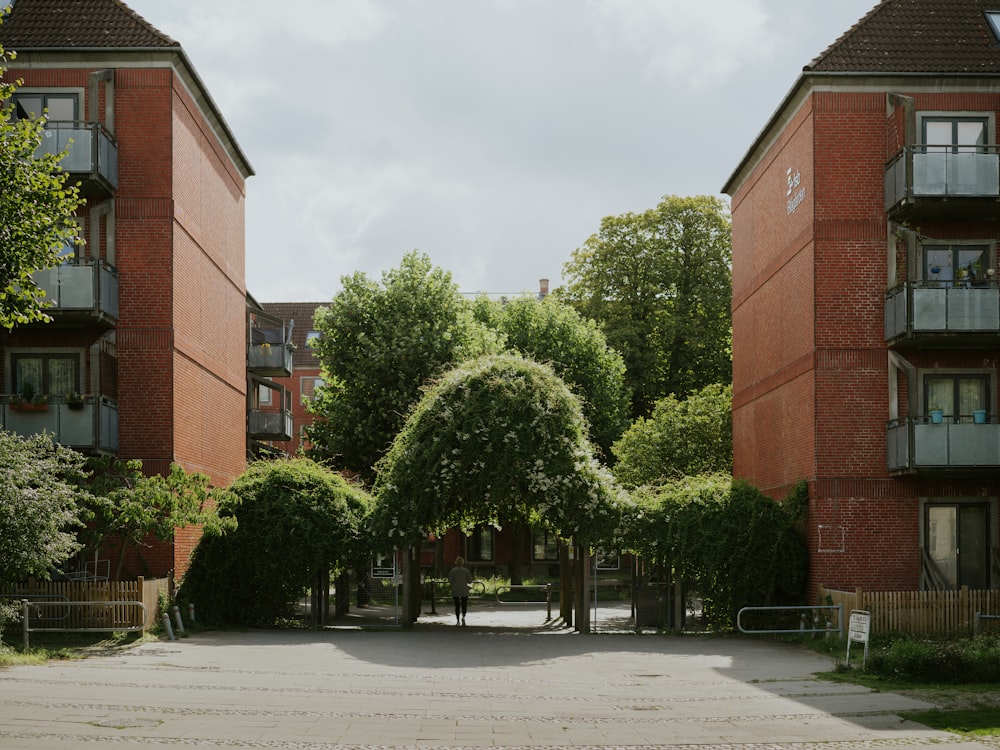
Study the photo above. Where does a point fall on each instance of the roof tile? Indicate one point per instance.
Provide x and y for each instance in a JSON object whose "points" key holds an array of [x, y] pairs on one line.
{"points": [[34, 24], [916, 36]]}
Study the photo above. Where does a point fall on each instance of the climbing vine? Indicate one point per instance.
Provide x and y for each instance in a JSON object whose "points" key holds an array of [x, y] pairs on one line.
{"points": [[726, 539]]}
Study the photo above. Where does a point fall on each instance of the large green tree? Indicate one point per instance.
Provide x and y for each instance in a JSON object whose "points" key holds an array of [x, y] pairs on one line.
{"points": [[380, 344], [39, 507], [37, 210], [680, 438], [553, 333], [659, 284], [499, 440]]}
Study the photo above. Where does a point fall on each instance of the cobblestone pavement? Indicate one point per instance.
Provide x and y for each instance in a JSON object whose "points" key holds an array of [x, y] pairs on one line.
{"points": [[487, 685]]}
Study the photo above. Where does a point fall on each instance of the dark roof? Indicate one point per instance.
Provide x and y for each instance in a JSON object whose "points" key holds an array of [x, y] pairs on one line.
{"points": [[916, 36], [302, 313], [44, 24]]}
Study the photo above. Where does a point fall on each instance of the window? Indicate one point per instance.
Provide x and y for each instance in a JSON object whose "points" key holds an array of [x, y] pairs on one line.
{"points": [[993, 16], [955, 134], [480, 544], [60, 107], [311, 338], [966, 264], [544, 546], [46, 374], [958, 396], [308, 386], [263, 396]]}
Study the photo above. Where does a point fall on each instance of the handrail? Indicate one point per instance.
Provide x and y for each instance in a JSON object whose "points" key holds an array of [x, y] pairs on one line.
{"points": [[838, 608], [43, 599]]}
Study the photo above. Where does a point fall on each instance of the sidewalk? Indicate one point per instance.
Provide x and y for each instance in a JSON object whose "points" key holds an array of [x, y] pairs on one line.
{"points": [[490, 684]]}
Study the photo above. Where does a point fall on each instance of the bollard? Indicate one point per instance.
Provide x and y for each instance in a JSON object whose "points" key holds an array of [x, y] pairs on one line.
{"points": [[166, 626], [180, 622], [24, 623], [191, 611]]}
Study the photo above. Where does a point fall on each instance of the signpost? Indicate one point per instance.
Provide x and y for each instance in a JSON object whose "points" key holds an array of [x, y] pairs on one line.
{"points": [[858, 631]]}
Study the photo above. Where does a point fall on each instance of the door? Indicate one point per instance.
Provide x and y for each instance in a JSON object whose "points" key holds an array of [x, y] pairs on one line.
{"points": [[957, 540]]}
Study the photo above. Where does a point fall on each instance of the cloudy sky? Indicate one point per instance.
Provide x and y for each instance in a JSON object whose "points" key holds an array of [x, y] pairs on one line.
{"points": [[492, 135]]}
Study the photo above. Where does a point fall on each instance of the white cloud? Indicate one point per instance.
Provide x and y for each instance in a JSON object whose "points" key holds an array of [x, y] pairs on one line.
{"points": [[695, 43]]}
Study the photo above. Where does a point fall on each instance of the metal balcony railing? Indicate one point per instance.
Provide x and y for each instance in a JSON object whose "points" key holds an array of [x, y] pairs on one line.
{"points": [[89, 427], [86, 288], [931, 308], [271, 425], [928, 171], [922, 444], [92, 151]]}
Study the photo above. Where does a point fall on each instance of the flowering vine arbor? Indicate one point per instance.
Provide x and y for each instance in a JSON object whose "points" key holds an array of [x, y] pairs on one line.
{"points": [[501, 440]]}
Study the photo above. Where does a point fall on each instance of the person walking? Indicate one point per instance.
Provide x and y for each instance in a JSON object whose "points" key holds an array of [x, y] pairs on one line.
{"points": [[460, 578]]}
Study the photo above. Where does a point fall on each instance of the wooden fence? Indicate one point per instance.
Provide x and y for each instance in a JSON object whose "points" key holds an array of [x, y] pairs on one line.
{"points": [[918, 612], [45, 598]]}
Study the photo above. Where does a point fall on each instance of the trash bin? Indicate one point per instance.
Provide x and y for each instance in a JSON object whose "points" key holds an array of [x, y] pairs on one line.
{"points": [[650, 607]]}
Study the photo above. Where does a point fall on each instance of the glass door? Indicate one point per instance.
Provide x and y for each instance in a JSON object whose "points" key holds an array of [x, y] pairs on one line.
{"points": [[957, 540]]}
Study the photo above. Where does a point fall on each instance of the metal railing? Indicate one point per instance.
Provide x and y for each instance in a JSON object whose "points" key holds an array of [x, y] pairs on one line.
{"points": [[104, 607], [544, 587], [827, 626]]}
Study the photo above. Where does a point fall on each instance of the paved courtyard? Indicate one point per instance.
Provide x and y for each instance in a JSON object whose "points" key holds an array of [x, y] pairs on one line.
{"points": [[504, 681]]}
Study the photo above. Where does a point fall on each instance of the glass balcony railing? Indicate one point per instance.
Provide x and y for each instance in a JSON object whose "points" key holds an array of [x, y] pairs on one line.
{"points": [[934, 308], [92, 152], [942, 172], [88, 427], [921, 444], [272, 360], [271, 425], [82, 288]]}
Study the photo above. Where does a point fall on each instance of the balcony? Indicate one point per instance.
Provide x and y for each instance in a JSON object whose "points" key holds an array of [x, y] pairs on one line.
{"points": [[271, 424], [932, 182], [90, 427], [943, 313], [918, 445], [86, 291], [269, 349], [92, 154]]}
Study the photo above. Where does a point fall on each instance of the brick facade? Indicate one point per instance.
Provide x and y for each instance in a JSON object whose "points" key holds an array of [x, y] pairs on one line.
{"points": [[813, 389]]}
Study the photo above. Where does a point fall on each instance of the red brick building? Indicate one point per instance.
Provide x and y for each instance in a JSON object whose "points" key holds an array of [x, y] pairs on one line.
{"points": [[866, 311], [150, 320]]}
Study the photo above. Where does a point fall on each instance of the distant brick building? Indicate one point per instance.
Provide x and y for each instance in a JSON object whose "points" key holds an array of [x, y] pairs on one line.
{"points": [[866, 311], [150, 321]]}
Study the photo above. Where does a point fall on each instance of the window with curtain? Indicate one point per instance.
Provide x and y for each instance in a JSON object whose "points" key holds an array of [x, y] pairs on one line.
{"points": [[46, 374], [958, 396]]}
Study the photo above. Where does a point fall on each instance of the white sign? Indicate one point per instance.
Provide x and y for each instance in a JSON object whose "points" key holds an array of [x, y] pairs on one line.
{"points": [[858, 631], [796, 191]]}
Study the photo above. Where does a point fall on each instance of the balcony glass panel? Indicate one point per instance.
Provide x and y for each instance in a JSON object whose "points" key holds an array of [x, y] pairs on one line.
{"points": [[945, 173], [946, 445], [942, 307], [271, 425], [83, 156], [94, 426], [78, 287], [270, 359]]}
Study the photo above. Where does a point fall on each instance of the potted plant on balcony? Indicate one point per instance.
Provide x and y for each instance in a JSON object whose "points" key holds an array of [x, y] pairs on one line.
{"points": [[74, 401], [936, 414], [28, 400]]}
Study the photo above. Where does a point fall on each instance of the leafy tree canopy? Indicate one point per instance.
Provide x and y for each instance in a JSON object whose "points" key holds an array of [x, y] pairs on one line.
{"points": [[39, 507], [680, 438], [733, 544], [37, 210], [127, 506], [379, 345], [293, 518], [499, 439], [554, 333], [659, 284]]}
